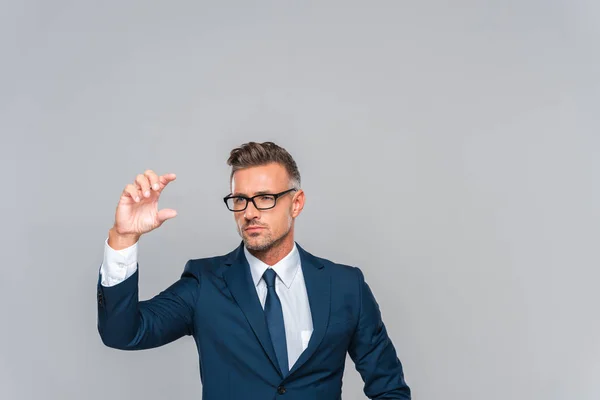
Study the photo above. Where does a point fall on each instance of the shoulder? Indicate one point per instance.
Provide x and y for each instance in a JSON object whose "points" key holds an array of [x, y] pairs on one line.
{"points": [[206, 265], [347, 281], [340, 272]]}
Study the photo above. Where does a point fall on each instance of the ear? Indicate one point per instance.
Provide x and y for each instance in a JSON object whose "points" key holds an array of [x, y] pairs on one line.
{"points": [[298, 203]]}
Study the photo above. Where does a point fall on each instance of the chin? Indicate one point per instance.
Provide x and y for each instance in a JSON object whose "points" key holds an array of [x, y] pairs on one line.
{"points": [[254, 243]]}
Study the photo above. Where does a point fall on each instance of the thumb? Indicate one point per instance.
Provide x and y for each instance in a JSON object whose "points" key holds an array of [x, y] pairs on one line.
{"points": [[165, 214]]}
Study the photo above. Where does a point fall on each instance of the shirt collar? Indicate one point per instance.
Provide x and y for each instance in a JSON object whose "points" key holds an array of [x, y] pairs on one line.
{"points": [[286, 268]]}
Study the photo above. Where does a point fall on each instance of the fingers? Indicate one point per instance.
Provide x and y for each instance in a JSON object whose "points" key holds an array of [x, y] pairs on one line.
{"points": [[132, 191], [165, 214], [166, 179], [143, 184], [147, 182], [153, 178]]}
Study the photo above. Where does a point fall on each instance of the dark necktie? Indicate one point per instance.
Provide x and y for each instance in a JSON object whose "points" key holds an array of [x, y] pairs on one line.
{"points": [[274, 317]]}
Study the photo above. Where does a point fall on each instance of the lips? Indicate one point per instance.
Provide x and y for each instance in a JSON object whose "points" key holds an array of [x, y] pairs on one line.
{"points": [[254, 228]]}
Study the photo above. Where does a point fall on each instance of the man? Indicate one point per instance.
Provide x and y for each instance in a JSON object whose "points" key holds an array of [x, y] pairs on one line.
{"points": [[269, 319]]}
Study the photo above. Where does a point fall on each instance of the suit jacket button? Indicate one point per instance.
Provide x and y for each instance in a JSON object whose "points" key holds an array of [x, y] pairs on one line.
{"points": [[281, 389]]}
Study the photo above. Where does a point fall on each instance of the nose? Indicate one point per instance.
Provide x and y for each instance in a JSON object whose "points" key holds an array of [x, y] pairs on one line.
{"points": [[251, 212]]}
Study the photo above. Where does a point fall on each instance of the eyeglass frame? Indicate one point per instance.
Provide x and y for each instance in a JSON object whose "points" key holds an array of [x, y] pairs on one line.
{"points": [[251, 199]]}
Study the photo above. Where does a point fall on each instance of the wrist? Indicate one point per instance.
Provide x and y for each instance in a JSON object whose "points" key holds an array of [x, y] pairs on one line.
{"points": [[120, 241]]}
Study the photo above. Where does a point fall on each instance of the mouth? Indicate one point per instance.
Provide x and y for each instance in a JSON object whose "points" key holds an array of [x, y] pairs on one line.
{"points": [[253, 228]]}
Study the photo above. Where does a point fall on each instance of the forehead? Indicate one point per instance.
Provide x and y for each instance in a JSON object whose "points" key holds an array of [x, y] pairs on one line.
{"points": [[271, 177]]}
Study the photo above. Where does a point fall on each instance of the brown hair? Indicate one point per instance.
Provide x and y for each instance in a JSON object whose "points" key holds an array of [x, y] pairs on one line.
{"points": [[253, 154]]}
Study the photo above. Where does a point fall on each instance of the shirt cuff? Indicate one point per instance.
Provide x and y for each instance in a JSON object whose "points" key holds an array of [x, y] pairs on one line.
{"points": [[118, 265]]}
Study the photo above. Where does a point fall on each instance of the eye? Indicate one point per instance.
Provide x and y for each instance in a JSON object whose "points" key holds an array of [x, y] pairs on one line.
{"points": [[266, 197], [238, 200]]}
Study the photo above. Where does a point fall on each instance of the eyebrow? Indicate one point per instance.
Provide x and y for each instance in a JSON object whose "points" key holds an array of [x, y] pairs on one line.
{"points": [[255, 194]]}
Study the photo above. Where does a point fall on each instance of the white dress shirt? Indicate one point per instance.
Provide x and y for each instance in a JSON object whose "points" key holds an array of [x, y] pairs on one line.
{"points": [[119, 265]]}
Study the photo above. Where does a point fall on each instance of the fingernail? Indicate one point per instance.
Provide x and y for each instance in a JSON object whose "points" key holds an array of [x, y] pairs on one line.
{"points": [[137, 199], [155, 186], [147, 193]]}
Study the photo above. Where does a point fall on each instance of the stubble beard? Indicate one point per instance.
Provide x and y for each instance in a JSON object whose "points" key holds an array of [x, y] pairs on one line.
{"points": [[265, 240]]}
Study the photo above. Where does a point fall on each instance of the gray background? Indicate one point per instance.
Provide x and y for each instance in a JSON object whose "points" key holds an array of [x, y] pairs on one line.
{"points": [[449, 149]]}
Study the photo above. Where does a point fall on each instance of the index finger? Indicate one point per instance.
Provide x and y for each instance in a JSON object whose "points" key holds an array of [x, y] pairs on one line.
{"points": [[165, 179]]}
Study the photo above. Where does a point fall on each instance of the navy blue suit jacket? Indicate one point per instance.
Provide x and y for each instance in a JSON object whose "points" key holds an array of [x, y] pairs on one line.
{"points": [[216, 302]]}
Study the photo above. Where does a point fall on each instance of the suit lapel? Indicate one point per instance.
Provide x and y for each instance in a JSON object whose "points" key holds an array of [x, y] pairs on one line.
{"points": [[318, 288], [241, 286]]}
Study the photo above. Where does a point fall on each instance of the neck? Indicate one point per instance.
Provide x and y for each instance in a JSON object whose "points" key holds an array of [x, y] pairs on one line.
{"points": [[277, 251]]}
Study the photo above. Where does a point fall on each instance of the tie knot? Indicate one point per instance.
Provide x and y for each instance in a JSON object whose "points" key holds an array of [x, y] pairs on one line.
{"points": [[269, 277]]}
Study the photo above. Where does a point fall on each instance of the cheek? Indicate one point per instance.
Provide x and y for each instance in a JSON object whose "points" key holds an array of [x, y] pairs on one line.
{"points": [[282, 222], [238, 220]]}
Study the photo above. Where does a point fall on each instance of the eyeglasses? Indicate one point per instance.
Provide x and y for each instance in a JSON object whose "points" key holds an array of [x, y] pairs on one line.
{"points": [[260, 201]]}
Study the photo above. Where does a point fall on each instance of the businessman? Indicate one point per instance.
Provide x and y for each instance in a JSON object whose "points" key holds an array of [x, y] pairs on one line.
{"points": [[270, 320]]}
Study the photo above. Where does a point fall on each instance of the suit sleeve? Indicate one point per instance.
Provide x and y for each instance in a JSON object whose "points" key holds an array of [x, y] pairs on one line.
{"points": [[373, 352], [126, 323]]}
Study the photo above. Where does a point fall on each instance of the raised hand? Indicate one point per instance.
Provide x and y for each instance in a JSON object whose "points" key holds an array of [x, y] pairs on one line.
{"points": [[137, 212]]}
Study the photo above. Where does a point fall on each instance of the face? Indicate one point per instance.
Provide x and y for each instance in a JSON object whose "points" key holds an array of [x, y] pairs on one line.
{"points": [[262, 230]]}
